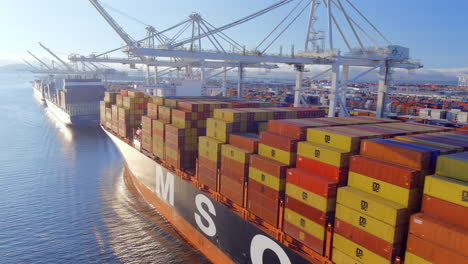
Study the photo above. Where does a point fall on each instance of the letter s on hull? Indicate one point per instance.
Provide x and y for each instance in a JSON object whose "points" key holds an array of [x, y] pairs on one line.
{"points": [[260, 243], [210, 229]]}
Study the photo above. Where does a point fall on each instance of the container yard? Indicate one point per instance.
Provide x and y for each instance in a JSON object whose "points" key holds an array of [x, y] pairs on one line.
{"points": [[325, 190]]}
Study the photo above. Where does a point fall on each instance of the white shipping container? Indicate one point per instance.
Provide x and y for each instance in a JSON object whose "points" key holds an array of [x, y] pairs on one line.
{"points": [[462, 117]]}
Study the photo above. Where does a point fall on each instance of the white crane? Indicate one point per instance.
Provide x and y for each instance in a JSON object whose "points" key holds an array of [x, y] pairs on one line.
{"points": [[40, 61], [367, 47], [68, 67]]}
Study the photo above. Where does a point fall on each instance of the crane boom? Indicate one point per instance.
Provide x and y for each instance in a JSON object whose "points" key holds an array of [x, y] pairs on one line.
{"points": [[68, 67], [124, 35], [40, 61], [29, 64]]}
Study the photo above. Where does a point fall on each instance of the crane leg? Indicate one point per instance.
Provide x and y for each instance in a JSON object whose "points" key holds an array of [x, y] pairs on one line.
{"points": [[344, 79], [240, 77], [384, 77], [299, 68], [334, 89]]}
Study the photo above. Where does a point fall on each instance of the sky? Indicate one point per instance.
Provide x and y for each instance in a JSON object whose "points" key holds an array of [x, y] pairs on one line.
{"points": [[434, 31]]}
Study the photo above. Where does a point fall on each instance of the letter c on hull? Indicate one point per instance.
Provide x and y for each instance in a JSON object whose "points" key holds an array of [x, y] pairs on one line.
{"points": [[260, 243], [210, 229]]}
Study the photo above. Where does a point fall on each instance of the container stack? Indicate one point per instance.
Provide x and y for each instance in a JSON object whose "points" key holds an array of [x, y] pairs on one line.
{"points": [[106, 109], [384, 188], [277, 151], [311, 188], [158, 138], [147, 133], [440, 233], [133, 107], [235, 160], [115, 118], [102, 111], [225, 122], [188, 123]]}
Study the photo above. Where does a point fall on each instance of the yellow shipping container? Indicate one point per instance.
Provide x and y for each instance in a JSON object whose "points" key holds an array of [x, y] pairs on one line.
{"points": [[235, 153], [230, 115], [332, 156], [210, 148], [339, 257], [357, 252], [411, 258], [345, 138], [407, 197], [282, 156], [389, 233], [273, 182], [309, 226], [384, 210], [447, 189], [453, 166], [309, 198]]}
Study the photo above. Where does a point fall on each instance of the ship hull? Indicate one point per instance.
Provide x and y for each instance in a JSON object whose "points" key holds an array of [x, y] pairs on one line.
{"points": [[67, 119], [219, 233], [38, 95]]}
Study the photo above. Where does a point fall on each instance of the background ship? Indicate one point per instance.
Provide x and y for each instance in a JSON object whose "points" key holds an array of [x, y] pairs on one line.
{"points": [[73, 101]]}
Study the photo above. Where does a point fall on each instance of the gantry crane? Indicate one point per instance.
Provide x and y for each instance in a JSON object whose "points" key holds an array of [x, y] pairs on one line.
{"points": [[342, 17]]}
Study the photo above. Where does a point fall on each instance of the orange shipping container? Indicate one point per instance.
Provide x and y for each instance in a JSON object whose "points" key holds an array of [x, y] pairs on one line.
{"points": [[451, 212], [272, 167], [247, 141], [402, 154], [285, 143], [384, 171], [432, 252], [440, 231], [313, 182], [323, 169]]}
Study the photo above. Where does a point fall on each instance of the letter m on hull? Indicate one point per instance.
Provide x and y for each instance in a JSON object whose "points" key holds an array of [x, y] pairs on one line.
{"points": [[165, 185]]}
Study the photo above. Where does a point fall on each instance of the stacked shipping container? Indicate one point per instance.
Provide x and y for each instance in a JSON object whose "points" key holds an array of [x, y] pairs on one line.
{"points": [[302, 162], [440, 233], [384, 188]]}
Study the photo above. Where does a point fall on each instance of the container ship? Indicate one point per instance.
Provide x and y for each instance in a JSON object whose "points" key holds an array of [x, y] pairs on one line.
{"points": [[244, 182], [38, 89], [73, 101]]}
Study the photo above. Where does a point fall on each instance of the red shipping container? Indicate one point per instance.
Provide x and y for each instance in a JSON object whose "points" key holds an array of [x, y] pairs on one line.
{"points": [[266, 191], [209, 164], [367, 240], [245, 141], [234, 170], [404, 155], [323, 169], [262, 206], [432, 252], [392, 173], [207, 177], [285, 143], [232, 190], [311, 213], [272, 167], [310, 241], [293, 128], [313, 182], [440, 231], [451, 212]]}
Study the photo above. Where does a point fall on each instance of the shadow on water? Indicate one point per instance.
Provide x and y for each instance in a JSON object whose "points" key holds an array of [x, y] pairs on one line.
{"points": [[63, 197]]}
